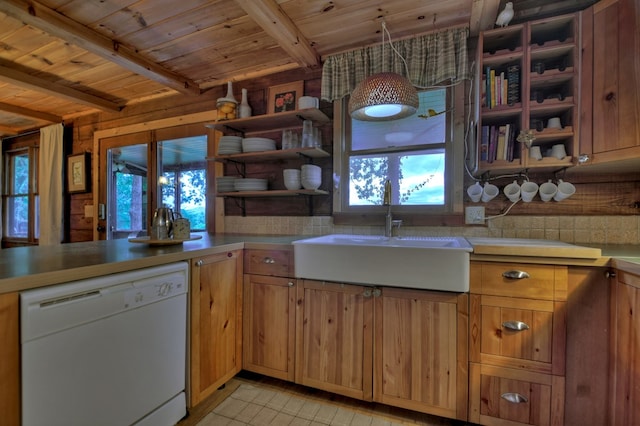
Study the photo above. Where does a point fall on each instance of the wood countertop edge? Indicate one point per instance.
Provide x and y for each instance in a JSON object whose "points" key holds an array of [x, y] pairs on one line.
{"points": [[567, 261], [31, 281]]}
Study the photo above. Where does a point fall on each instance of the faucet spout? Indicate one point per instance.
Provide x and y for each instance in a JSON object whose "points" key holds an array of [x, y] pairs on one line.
{"points": [[386, 201]]}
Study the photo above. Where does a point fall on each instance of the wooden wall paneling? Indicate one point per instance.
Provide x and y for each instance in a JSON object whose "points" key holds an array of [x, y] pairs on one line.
{"points": [[603, 195]]}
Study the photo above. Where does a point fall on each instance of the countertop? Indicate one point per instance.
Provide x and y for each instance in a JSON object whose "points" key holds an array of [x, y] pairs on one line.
{"points": [[22, 268]]}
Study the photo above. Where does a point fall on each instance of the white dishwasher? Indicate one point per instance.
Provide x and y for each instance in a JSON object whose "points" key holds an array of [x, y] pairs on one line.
{"points": [[106, 351]]}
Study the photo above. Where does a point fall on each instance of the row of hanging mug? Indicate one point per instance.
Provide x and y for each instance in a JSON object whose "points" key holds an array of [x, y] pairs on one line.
{"points": [[527, 191]]}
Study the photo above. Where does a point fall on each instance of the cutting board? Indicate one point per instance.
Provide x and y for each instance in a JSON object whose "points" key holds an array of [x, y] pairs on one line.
{"points": [[529, 247]]}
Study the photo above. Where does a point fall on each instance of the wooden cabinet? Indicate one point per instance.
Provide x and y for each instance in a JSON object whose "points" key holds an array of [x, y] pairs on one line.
{"points": [[10, 354], [624, 389], [529, 73], [611, 48], [401, 347], [269, 313], [334, 338], [517, 343], [216, 322], [421, 355]]}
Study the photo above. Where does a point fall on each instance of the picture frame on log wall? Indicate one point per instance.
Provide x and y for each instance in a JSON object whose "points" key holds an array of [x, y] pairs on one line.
{"points": [[284, 97], [78, 170]]}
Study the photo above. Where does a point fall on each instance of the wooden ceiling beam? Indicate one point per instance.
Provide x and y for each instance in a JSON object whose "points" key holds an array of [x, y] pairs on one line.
{"points": [[39, 16], [483, 16], [26, 112], [277, 24], [27, 81]]}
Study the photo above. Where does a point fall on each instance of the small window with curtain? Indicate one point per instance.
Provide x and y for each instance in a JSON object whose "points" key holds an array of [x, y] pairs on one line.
{"points": [[20, 192]]}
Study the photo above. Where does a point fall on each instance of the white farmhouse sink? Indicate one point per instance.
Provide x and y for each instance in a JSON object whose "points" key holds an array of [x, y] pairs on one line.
{"points": [[435, 263]]}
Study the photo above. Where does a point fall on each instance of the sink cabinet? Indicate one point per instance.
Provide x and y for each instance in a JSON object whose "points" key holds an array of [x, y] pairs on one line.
{"points": [[401, 347], [335, 337], [420, 349], [269, 313], [517, 343], [10, 355], [215, 322]]}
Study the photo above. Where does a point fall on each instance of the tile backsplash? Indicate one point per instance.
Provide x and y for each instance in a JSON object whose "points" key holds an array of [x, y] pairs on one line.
{"points": [[569, 229]]}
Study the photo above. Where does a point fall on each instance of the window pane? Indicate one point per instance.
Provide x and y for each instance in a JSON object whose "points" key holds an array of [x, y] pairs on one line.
{"points": [[193, 187], [20, 181], [17, 217], [426, 126], [419, 178]]}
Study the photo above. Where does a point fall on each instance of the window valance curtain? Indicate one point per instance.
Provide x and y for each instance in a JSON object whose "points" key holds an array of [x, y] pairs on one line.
{"points": [[432, 59]]}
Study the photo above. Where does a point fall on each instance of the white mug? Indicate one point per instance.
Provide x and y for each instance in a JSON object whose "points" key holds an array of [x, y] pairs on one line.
{"points": [[535, 153], [558, 151], [548, 191], [308, 102], [475, 192], [554, 123], [565, 190], [512, 191], [528, 190], [489, 192]]}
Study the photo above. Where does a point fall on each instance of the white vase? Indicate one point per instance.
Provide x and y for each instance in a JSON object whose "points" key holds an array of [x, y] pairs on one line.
{"points": [[245, 109]]}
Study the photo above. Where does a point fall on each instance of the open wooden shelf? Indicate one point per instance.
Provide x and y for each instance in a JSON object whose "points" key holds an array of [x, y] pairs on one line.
{"points": [[272, 193], [266, 122]]}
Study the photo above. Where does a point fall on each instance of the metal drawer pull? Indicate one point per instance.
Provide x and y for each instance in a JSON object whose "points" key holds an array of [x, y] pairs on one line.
{"points": [[269, 260], [515, 325], [515, 275], [514, 397]]}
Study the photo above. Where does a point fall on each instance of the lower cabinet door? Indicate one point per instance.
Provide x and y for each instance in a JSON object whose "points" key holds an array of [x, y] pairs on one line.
{"points": [[269, 326], [505, 396], [334, 338], [216, 322], [421, 354]]}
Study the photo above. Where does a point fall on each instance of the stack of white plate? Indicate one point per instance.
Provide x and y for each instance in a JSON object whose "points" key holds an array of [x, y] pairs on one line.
{"points": [[230, 145], [258, 144], [225, 183], [250, 184], [310, 176]]}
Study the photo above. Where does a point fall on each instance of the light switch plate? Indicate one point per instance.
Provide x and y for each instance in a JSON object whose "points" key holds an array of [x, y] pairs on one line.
{"points": [[474, 215]]}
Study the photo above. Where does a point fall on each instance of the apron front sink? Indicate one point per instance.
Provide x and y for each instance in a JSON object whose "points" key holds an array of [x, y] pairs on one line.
{"points": [[432, 263]]}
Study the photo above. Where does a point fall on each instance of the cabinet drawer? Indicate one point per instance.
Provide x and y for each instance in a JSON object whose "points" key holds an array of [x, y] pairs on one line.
{"points": [[546, 282], [268, 262], [500, 396]]}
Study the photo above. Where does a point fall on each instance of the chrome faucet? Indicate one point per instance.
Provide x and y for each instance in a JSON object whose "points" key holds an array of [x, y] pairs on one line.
{"points": [[389, 223]]}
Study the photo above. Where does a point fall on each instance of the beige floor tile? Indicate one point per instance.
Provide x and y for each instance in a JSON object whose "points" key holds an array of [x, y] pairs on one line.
{"points": [[361, 420], [246, 393], [249, 412], [282, 419], [325, 414], [278, 401], [213, 419], [264, 396], [343, 417], [231, 407], [293, 406], [308, 410], [264, 417]]}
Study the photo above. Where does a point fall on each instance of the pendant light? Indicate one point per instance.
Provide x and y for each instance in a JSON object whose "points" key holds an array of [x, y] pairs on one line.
{"points": [[384, 96]]}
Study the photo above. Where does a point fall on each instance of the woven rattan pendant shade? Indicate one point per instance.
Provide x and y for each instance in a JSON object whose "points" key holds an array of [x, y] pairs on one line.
{"points": [[382, 97]]}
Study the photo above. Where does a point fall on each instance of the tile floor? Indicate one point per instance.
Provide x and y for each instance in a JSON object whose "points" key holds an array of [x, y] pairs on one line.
{"points": [[255, 400]]}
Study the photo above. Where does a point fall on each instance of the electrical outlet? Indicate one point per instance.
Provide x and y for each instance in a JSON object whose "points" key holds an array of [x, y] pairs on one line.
{"points": [[474, 215]]}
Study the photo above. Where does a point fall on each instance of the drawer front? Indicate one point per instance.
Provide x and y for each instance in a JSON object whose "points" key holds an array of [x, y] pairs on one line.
{"points": [[517, 333], [502, 395], [519, 280], [268, 262]]}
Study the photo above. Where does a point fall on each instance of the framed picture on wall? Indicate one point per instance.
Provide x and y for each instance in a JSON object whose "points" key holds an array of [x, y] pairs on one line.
{"points": [[284, 97], [78, 172]]}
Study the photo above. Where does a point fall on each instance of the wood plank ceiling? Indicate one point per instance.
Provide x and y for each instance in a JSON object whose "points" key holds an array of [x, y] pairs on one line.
{"points": [[61, 59]]}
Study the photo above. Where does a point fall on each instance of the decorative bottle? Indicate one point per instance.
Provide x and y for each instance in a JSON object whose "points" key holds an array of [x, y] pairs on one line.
{"points": [[245, 109], [227, 105]]}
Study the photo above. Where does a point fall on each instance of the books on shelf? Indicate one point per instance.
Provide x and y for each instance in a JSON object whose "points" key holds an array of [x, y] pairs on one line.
{"points": [[501, 88], [497, 143]]}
